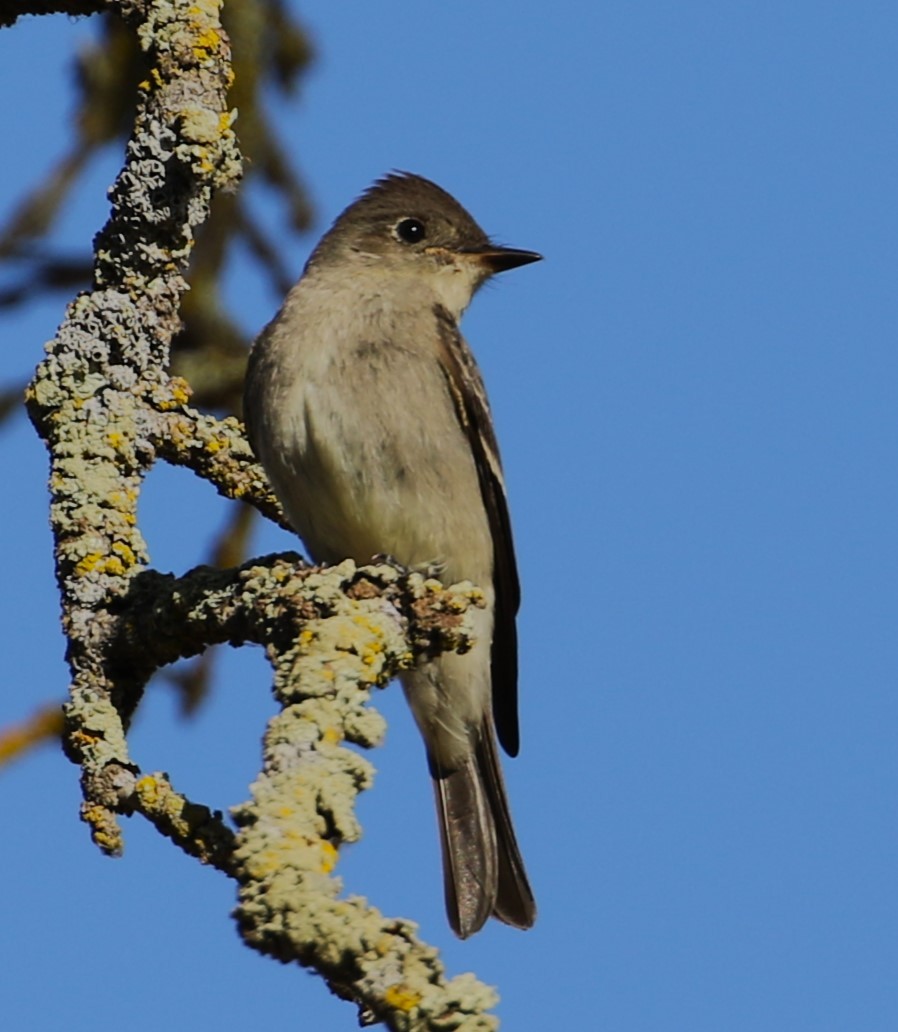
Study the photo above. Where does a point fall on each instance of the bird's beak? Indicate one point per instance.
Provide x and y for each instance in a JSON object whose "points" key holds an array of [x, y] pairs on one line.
{"points": [[498, 259]]}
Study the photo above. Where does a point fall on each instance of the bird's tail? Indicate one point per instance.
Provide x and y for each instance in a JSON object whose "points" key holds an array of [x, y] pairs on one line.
{"points": [[483, 873]]}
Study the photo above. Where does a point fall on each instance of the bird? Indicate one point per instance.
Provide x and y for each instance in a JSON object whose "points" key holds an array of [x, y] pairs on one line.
{"points": [[366, 408]]}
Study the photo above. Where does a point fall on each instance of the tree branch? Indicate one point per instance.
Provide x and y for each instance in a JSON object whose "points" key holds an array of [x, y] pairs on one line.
{"points": [[106, 406], [331, 635], [215, 449], [105, 372]]}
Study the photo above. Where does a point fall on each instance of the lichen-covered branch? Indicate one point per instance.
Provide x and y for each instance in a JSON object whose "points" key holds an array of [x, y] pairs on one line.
{"points": [[215, 449], [331, 635], [105, 373], [270, 53], [302, 807], [107, 407], [164, 618]]}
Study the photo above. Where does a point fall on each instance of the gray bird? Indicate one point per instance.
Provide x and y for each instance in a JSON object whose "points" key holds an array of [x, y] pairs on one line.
{"points": [[367, 410]]}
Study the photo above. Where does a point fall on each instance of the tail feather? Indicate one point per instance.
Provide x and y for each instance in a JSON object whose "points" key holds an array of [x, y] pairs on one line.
{"points": [[483, 873], [470, 865], [514, 903]]}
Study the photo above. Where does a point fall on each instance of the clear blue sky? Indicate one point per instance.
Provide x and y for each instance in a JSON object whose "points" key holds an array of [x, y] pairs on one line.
{"points": [[695, 396]]}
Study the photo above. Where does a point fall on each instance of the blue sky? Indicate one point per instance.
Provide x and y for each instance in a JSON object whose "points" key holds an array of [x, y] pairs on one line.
{"points": [[695, 396]]}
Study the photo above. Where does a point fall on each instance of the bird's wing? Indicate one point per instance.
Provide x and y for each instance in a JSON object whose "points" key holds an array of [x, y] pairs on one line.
{"points": [[472, 410]]}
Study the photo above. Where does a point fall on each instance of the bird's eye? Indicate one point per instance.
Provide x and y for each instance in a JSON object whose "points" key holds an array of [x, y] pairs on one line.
{"points": [[410, 231]]}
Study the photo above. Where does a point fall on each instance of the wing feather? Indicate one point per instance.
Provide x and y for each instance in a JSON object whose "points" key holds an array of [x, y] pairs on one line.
{"points": [[472, 409]]}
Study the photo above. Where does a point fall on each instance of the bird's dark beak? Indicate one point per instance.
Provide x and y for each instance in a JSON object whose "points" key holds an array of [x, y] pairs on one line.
{"points": [[499, 259]]}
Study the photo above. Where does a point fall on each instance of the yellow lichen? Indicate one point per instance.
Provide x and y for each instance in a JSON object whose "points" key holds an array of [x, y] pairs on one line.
{"points": [[179, 394], [207, 40], [329, 857], [116, 565], [147, 789], [112, 565], [401, 997], [88, 563], [125, 552], [104, 830], [83, 740]]}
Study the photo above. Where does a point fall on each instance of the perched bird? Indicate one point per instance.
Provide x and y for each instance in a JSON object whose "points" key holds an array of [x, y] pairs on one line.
{"points": [[367, 410]]}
